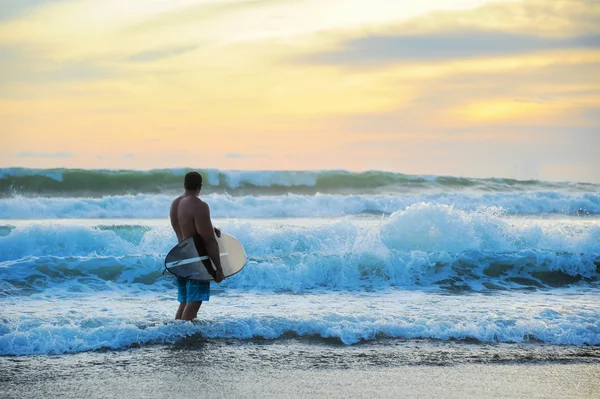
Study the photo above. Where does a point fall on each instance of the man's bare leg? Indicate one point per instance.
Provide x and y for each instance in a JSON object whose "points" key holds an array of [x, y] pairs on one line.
{"points": [[180, 311], [191, 310]]}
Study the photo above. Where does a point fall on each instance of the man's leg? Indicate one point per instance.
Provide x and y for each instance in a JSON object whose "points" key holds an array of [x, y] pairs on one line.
{"points": [[180, 311], [191, 310], [181, 297]]}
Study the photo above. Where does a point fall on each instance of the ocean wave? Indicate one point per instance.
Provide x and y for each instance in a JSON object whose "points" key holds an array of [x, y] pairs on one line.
{"points": [[304, 273], [95, 183], [83, 323], [293, 205], [122, 333], [423, 245]]}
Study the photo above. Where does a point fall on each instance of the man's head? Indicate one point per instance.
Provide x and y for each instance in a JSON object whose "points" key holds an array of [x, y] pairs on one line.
{"points": [[193, 181]]}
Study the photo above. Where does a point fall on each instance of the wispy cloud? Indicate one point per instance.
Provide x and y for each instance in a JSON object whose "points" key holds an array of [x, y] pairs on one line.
{"points": [[28, 154], [148, 56], [27, 64], [198, 13], [10, 9], [112, 110], [128, 155], [237, 155], [444, 46]]}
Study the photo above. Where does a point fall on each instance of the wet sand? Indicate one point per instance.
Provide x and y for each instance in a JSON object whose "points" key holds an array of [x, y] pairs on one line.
{"points": [[298, 369], [464, 381]]}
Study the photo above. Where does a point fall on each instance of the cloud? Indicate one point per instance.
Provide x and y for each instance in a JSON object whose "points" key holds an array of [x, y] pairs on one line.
{"points": [[112, 110], [491, 30], [10, 9], [76, 72], [128, 155], [160, 54], [237, 155], [198, 13], [471, 104], [28, 64], [444, 46], [30, 154]]}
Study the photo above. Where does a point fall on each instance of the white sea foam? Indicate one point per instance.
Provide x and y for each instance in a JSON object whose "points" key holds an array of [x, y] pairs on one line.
{"points": [[424, 245], [83, 321], [426, 227], [292, 205]]}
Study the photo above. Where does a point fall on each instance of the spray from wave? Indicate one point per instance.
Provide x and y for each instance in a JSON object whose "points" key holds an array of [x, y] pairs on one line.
{"points": [[424, 245], [150, 206]]}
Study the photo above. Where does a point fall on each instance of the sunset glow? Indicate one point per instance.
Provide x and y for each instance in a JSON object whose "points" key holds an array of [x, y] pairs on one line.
{"points": [[421, 87]]}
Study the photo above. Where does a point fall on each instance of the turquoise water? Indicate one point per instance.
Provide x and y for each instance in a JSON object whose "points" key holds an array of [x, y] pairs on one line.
{"points": [[513, 264]]}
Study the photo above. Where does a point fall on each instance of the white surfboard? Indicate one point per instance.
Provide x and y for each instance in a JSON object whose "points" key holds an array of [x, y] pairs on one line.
{"points": [[189, 260]]}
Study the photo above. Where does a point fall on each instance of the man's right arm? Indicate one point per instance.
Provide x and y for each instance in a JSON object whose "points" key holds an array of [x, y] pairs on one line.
{"points": [[205, 229]]}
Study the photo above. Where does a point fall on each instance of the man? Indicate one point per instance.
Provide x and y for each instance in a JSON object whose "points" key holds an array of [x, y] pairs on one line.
{"points": [[190, 216]]}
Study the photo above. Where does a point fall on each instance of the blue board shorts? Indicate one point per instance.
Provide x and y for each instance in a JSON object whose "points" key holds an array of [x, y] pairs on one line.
{"points": [[192, 290]]}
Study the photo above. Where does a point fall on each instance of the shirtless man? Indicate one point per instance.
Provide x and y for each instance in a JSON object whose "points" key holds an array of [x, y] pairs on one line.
{"points": [[190, 216]]}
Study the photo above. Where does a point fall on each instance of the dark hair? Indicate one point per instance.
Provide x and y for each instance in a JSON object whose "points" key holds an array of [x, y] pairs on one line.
{"points": [[192, 181]]}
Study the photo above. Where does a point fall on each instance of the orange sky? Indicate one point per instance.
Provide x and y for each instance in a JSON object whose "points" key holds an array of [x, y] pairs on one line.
{"points": [[471, 88]]}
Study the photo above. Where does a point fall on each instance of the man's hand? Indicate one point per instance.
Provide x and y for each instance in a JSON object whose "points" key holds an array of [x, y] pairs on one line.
{"points": [[219, 276], [217, 232]]}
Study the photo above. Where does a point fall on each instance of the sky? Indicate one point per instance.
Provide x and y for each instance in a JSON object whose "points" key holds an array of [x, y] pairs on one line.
{"points": [[465, 88]]}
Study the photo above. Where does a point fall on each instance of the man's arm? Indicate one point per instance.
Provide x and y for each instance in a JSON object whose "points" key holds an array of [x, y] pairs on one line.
{"points": [[175, 222], [206, 231]]}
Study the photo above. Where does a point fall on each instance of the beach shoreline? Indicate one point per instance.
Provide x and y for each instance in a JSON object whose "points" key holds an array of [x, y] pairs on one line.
{"points": [[296, 368]]}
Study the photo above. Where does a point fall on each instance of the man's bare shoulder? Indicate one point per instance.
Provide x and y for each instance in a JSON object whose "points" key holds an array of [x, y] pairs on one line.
{"points": [[177, 200], [190, 202], [201, 206]]}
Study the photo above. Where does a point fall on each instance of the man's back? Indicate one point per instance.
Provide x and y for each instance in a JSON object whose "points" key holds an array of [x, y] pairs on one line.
{"points": [[190, 216], [184, 214]]}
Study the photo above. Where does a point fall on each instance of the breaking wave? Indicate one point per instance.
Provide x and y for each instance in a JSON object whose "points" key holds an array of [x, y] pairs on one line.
{"points": [[121, 321], [97, 183], [424, 245], [294, 205]]}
